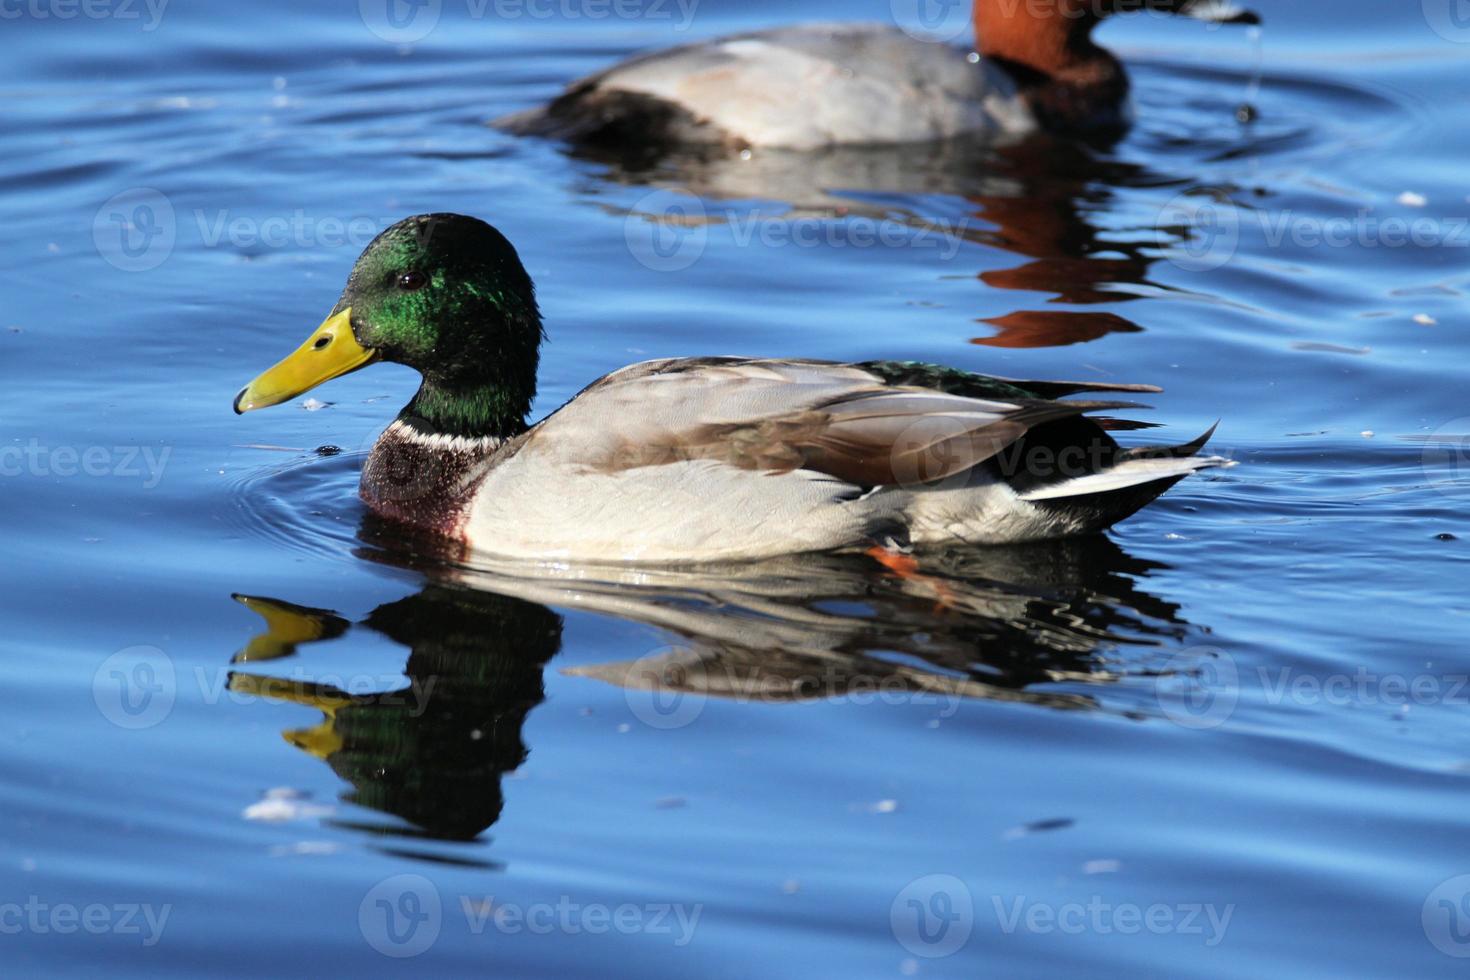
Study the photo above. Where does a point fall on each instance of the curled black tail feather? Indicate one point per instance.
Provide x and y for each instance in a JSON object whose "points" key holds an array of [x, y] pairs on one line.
{"points": [[1181, 451]]}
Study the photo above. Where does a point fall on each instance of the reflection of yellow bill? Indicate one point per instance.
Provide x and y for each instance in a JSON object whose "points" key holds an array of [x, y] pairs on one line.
{"points": [[287, 627], [330, 352], [321, 741]]}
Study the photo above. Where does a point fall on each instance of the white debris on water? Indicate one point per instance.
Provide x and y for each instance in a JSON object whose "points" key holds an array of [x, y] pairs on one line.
{"points": [[1424, 319], [305, 847], [283, 804], [1411, 199]]}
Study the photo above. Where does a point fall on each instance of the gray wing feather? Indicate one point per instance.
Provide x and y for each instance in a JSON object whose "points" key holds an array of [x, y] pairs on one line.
{"points": [[779, 416]]}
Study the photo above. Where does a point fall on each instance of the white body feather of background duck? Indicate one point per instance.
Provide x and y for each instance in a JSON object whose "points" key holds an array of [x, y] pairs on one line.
{"points": [[802, 87], [628, 470]]}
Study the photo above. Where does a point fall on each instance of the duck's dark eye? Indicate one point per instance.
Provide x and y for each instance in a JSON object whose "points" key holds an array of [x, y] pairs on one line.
{"points": [[409, 281]]}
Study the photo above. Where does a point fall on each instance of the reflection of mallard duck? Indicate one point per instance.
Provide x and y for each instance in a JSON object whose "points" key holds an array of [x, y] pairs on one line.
{"points": [[698, 458], [822, 84], [1017, 622], [998, 620], [432, 753], [987, 623], [1044, 198]]}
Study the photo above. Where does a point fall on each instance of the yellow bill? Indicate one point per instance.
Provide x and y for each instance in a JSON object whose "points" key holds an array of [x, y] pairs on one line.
{"points": [[330, 352]]}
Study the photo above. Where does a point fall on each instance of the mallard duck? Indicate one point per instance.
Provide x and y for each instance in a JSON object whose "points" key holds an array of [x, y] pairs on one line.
{"points": [[1035, 66], [698, 458]]}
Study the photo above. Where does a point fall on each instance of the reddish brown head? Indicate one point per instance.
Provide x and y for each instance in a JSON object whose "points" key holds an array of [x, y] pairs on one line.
{"points": [[1071, 81]]}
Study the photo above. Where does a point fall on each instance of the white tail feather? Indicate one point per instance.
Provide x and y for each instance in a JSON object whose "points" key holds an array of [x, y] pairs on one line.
{"points": [[1129, 473]]}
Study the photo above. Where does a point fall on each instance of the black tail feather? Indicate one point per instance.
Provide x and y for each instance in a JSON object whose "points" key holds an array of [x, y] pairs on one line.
{"points": [[1182, 451]]}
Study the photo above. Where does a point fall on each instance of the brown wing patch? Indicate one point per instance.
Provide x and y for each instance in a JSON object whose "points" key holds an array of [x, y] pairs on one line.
{"points": [[872, 437]]}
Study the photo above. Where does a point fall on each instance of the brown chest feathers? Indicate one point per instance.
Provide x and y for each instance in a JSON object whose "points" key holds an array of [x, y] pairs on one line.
{"points": [[423, 480]]}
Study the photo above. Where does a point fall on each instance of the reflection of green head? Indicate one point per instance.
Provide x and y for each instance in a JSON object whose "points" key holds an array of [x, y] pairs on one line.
{"points": [[434, 753]]}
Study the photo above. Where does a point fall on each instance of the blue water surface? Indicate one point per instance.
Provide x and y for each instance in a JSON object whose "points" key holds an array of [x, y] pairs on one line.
{"points": [[248, 730]]}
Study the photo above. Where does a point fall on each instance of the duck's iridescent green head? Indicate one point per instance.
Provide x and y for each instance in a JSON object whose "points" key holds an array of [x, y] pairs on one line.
{"points": [[445, 294]]}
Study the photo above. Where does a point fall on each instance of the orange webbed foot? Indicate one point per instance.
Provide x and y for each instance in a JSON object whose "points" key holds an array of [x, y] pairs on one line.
{"points": [[906, 566]]}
